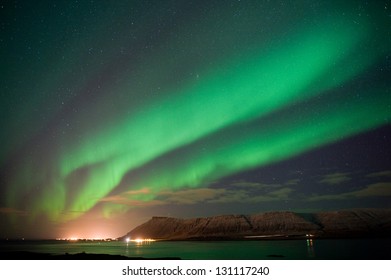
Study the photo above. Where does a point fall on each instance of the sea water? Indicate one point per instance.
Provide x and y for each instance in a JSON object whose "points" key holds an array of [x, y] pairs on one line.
{"points": [[218, 250]]}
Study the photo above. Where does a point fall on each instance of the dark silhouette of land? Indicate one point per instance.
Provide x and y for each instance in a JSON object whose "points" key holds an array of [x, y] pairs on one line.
{"points": [[272, 225], [349, 224], [25, 255]]}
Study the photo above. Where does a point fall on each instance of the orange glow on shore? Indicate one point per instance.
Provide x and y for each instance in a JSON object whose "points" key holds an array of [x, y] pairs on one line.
{"points": [[85, 239]]}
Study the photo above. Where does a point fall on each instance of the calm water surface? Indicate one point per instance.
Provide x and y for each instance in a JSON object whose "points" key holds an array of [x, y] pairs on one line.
{"points": [[215, 250]]}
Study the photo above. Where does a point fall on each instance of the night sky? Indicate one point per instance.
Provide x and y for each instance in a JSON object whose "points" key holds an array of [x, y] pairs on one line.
{"points": [[115, 111]]}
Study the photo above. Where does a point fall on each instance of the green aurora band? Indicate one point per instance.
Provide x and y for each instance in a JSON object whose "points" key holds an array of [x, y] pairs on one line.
{"points": [[243, 113]]}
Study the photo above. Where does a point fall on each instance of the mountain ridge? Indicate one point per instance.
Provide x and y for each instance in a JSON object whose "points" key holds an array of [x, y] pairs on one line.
{"points": [[285, 224]]}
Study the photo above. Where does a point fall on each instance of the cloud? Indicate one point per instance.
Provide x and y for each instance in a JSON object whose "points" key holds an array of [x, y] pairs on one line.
{"points": [[376, 189], [244, 184], [292, 182], [281, 193], [229, 196], [190, 196], [202, 195], [141, 191], [372, 190], [335, 178], [12, 211], [328, 197], [385, 173], [119, 199], [122, 199], [246, 196]]}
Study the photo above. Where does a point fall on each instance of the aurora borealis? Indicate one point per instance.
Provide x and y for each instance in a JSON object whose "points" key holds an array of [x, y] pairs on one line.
{"points": [[113, 111]]}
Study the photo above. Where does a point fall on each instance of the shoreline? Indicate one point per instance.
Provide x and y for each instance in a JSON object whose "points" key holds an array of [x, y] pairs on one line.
{"points": [[218, 238], [27, 255]]}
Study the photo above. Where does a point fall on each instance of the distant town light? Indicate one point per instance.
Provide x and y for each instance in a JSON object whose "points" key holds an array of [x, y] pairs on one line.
{"points": [[140, 240]]}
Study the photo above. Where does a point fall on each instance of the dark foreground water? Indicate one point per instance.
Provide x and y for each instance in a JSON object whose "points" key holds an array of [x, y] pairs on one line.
{"points": [[216, 250]]}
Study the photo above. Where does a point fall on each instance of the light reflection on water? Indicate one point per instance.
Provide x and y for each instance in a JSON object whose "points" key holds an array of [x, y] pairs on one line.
{"points": [[310, 248]]}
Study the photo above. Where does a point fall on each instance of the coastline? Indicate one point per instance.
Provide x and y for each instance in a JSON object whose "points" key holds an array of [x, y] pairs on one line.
{"points": [[27, 255]]}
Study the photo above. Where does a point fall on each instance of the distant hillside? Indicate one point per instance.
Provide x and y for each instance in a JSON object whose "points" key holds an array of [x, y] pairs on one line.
{"points": [[346, 223]]}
